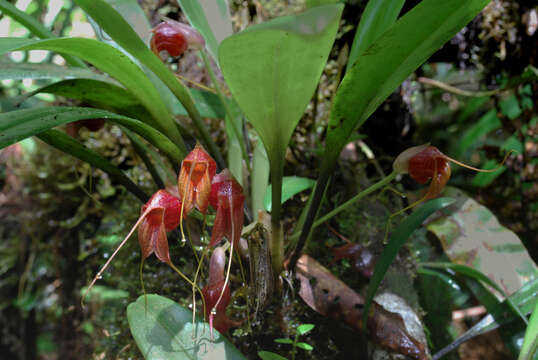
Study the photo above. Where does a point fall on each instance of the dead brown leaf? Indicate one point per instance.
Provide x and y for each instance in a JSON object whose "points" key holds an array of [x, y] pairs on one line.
{"points": [[329, 296]]}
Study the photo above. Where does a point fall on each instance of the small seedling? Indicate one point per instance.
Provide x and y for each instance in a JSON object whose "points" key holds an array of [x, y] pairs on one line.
{"points": [[301, 330]]}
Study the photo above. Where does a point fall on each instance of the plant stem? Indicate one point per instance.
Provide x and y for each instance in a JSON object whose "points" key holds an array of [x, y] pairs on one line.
{"points": [[313, 224], [224, 102], [381, 183], [277, 241]]}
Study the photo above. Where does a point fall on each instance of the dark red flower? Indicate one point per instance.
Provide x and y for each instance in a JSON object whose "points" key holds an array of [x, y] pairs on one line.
{"points": [[426, 162], [216, 290], [227, 197], [159, 215], [174, 37]]}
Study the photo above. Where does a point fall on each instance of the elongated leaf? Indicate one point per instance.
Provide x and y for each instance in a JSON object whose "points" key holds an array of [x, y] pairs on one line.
{"points": [[211, 18], [488, 122], [265, 57], [72, 147], [477, 275], [19, 71], [111, 61], [143, 151], [525, 298], [530, 342], [164, 330], [121, 32], [93, 91], [397, 240], [390, 59], [35, 27], [377, 17], [20, 124], [291, 185]]}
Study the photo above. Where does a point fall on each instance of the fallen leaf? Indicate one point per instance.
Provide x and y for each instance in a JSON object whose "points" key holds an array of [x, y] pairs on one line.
{"points": [[329, 296]]}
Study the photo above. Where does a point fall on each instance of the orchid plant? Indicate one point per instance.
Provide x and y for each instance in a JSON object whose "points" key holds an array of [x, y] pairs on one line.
{"points": [[269, 86]]}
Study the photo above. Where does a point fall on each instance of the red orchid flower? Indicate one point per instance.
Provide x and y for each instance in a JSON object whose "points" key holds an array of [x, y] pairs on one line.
{"points": [[227, 197], [174, 37], [194, 180], [426, 162], [217, 294], [158, 215]]}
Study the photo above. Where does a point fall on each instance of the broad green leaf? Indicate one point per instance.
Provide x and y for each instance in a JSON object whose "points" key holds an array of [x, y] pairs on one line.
{"points": [[291, 185], [377, 17], [397, 240], [164, 330], [471, 235], [304, 328], [67, 144], [530, 342], [123, 34], [20, 124], [20, 71], [267, 355], [134, 15], [211, 18], [389, 60], [313, 3], [35, 27], [111, 61], [259, 177], [282, 59]]}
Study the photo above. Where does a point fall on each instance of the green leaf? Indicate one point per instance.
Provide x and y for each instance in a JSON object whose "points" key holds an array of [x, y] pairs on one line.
{"points": [[164, 330], [305, 346], [525, 298], [487, 123], [72, 147], [92, 91], [304, 328], [20, 124], [291, 185], [211, 18], [123, 34], [284, 341], [377, 17], [20, 71], [111, 61], [389, 61], [398, 238], [35, 27], [530, 342], [267, 355], [265, 57]]}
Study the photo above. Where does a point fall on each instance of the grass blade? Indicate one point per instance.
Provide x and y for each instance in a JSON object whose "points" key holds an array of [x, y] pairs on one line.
{"points": [[397, 240]]}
